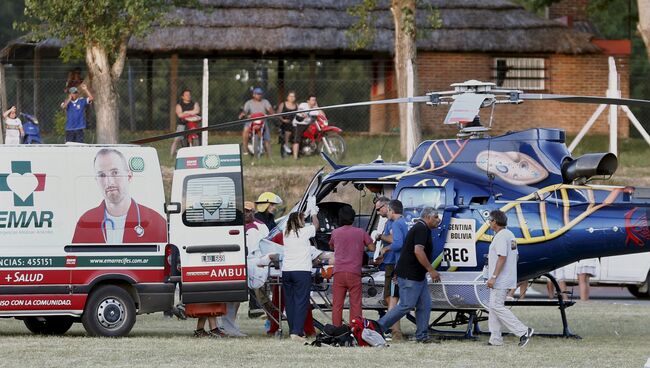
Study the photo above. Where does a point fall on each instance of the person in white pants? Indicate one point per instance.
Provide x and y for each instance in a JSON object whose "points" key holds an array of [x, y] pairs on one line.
{"points": [[502, 266]]}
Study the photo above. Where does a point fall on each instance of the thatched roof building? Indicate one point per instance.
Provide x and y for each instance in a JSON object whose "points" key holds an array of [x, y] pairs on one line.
{"points": [[282, 26]]}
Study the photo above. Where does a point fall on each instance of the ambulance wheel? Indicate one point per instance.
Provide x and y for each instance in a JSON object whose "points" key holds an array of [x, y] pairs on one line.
{"points": [[110, 312], [55, 325]]}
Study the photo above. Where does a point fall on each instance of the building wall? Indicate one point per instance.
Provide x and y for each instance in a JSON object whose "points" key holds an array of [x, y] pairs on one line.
{"points": [[566, 74]]}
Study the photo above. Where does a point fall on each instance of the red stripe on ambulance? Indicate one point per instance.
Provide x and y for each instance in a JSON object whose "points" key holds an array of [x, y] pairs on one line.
{"points": [[214, 273], [76, 277], [42, 302]]}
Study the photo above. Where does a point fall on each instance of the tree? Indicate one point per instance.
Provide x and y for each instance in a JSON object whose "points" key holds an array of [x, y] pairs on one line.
{"points": [[98, 31], [361, 34], [644, 23]]}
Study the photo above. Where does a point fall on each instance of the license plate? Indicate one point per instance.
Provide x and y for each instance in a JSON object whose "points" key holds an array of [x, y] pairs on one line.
{"points": [[213, 258]]}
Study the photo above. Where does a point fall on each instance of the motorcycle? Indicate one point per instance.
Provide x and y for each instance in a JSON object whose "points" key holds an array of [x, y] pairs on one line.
{"points": [[31, 129], [256, 135], [322, 137], [192, 139]]}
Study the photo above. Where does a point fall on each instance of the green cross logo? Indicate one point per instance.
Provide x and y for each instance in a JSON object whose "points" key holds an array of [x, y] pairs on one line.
{"points": [[22, 182]]}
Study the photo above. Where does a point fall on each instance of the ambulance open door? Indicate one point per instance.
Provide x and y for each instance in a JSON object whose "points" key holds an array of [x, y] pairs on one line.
{"points": [[207, 223]]}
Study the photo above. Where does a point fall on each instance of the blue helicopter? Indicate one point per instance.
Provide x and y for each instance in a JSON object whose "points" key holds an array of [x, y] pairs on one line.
{"points": [[557, 216]]}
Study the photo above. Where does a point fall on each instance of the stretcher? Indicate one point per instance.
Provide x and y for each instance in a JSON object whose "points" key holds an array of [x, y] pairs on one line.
{"points": [[461, 299]]}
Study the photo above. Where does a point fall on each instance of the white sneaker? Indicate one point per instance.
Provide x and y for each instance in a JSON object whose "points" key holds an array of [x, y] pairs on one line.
{"points": [[286, 148], [298, 338]]}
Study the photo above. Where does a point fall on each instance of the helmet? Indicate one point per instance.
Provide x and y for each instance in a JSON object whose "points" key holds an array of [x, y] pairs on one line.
{"points": [[265, 199]]}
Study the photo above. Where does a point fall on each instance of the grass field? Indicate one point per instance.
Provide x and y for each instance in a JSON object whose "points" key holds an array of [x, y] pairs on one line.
{"points": [[614, 335]]}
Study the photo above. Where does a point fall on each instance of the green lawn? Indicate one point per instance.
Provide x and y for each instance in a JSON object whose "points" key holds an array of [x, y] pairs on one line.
{"points": [[614, 335]]}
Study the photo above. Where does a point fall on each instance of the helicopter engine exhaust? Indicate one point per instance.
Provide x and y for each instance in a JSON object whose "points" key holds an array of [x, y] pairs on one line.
{"points": [[587, 166]]}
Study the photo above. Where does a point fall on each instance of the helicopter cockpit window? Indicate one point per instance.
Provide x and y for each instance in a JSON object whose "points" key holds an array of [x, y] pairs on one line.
{"points": [[415, 199]]}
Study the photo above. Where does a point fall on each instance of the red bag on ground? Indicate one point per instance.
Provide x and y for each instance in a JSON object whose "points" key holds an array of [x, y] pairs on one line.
{"points": [[205, 310], [357, 325]]}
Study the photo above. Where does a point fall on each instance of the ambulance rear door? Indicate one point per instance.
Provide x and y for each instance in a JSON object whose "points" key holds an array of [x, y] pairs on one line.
{"points": [[207, 223]]}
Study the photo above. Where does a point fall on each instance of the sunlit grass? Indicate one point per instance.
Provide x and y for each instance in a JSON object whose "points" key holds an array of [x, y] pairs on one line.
{"points": [[614, 335]]}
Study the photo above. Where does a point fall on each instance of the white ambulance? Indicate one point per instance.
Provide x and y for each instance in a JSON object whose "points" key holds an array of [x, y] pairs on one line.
{"points": [[85, 234]]}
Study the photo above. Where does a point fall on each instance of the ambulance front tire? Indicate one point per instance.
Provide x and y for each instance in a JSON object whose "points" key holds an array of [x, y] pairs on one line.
{"points": [[54, 325], [109, 312]]}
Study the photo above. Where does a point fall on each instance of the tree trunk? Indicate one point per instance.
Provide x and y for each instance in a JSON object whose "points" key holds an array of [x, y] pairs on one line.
{"points": [[105, 94], [406, 73], [644, 23]]}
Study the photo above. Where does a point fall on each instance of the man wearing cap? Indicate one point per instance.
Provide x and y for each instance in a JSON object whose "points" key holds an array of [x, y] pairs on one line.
{"points": [[257, 104], [75, 107], [266, 204]]}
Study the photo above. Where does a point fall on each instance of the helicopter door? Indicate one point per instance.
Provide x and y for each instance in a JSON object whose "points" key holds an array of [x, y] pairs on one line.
{"points": [[207, 224], [312, 188], [454, 243]]}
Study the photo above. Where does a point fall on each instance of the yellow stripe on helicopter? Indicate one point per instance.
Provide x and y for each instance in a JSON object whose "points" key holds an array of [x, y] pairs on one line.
{"points": [[548, 234]]}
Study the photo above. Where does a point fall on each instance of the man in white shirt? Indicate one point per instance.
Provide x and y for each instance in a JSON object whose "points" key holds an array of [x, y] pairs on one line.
{"points": [[302, 120], [502, 268]]}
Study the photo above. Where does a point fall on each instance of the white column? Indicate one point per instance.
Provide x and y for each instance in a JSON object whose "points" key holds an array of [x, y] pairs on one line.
{"points": [[204, 102]]}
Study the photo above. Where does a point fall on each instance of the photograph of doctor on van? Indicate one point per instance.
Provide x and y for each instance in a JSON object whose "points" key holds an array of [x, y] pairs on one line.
{"points": [[119, 218]]}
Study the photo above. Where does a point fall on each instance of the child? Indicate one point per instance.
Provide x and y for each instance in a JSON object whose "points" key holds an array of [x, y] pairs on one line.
{"points": [[13, 127], [214, 330]]}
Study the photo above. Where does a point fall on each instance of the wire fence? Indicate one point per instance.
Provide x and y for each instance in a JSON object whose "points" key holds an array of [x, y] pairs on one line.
{"points": [[145, 89]]}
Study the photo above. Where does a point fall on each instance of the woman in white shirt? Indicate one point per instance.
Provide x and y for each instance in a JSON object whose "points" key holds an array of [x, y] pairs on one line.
{"points": [[296, 271], [13, 127]]}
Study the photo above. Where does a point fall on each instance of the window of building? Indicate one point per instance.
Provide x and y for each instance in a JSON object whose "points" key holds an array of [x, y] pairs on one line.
{"points": [[519, 73]]}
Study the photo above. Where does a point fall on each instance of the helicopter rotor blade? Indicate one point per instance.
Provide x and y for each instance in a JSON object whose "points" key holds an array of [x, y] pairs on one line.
{"points": [[416, 99], [585, 99]]}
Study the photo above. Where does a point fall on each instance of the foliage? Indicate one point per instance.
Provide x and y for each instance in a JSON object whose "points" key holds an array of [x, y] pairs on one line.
{"points": [[10, 12], [362, 33], [106, 23], [536, 6], [59, 123]]}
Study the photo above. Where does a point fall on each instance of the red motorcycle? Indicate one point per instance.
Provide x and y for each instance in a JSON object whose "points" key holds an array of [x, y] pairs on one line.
{"points": [[322, 137], [256, 135], [192, 139]]}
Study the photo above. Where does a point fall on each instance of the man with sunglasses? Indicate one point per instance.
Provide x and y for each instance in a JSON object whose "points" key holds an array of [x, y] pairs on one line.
{"points": [[502, 271], [75, 108]]}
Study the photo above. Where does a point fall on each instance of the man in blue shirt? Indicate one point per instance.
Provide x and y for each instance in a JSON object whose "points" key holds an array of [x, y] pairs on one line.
{"points": [[398, 232], [75, 107]]}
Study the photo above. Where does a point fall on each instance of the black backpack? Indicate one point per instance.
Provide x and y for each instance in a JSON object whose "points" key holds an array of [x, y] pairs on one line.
{"points": [[335, 336]]}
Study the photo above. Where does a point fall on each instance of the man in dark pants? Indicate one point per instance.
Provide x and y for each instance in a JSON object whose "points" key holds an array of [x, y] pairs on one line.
{"points": [[413, 265]]}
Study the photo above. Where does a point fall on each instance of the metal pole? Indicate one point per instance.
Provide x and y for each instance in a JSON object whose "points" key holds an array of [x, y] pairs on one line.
{"points": [[587, 126], [636, 123], [204, 102], [613, 92], [3, 98], [131, 102]]}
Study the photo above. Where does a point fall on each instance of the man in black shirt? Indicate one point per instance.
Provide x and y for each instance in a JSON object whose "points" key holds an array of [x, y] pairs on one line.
{"points": [[412, 268]]}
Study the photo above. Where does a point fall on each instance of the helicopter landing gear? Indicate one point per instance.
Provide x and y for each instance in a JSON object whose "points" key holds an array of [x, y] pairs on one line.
{"points": [[471, 318]]}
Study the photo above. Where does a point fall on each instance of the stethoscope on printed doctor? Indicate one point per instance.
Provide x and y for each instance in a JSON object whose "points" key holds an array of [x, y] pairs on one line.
{"points": [[139, 230]]}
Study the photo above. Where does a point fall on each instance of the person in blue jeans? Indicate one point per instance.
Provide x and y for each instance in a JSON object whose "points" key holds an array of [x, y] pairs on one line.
{"points": [[296, 269], [412, 267]]}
